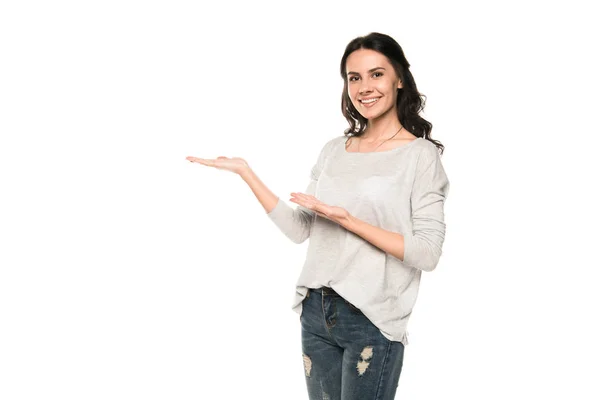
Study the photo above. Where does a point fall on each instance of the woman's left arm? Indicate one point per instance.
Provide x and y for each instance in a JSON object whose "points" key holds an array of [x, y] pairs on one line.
{"points": [[388, 241], [422, 247]]}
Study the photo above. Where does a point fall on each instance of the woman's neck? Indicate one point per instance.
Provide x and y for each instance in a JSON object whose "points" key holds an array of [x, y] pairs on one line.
{"points": [[381, 129]]}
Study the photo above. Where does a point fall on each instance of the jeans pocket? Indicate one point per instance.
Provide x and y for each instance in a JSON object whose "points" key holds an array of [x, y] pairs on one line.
{"points": [[302, 305]]}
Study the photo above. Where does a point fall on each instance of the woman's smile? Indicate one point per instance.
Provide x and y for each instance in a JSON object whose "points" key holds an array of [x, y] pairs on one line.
{"points": [[369, 102]]}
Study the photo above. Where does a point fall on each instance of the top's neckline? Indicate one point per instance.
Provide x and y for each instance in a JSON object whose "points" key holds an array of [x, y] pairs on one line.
{"points": [[384, 151]]}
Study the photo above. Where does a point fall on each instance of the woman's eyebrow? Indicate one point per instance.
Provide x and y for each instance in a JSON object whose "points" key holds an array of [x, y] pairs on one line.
{"points": [[371, 70]]}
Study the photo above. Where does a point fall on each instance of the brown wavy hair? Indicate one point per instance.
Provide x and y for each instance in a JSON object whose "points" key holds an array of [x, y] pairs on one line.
{"points": [[409, 102]]}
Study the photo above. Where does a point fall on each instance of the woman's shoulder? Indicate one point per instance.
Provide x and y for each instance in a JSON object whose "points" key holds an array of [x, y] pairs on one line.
{"points": [[427, 147], [332, 143]]}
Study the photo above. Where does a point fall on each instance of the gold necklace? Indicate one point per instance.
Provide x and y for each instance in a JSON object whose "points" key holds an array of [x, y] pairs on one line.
{"points": [[358, 150]]}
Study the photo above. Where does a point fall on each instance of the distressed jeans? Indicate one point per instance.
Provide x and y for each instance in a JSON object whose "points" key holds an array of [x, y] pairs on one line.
{"points": [[345, 356]]}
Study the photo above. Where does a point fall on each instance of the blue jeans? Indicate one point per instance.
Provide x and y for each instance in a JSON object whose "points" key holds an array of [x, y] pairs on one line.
{"points": [[345, 356]]}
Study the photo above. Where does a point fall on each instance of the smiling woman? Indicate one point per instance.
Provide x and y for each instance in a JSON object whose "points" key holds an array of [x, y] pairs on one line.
{"points": [[380, 99], [374, 213]]}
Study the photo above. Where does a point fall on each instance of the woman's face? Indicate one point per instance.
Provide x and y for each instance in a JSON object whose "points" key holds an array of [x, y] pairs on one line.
{"points": [[371, 76]]}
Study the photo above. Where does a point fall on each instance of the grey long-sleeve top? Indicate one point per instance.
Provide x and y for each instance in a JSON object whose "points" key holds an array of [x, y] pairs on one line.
{"points": [[402, 190]]}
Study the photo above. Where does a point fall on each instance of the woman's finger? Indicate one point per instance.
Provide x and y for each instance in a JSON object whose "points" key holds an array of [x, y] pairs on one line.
{"points": [[236, 165], [204, 161], [304, 196]]}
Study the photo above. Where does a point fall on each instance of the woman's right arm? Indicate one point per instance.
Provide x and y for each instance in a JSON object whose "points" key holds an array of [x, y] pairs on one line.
{"points": [[295, 223], [266, 198]]}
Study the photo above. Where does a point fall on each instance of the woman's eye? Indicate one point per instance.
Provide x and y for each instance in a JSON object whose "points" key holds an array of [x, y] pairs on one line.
{"points": [[351, 79]]}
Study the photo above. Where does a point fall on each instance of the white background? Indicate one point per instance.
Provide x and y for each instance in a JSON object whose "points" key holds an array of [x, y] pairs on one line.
{"points": [[128, 272]]}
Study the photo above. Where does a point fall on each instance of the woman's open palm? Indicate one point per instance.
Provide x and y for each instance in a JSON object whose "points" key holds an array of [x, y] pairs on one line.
{"points": [[235, 164], [332, 213]]}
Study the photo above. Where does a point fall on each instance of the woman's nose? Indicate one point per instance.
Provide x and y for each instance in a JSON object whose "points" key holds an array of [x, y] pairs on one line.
{"points": [[364, 88]]}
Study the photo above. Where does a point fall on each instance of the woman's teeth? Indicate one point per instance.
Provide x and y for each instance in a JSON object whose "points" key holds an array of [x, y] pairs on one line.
{"points": [[369, 103]]}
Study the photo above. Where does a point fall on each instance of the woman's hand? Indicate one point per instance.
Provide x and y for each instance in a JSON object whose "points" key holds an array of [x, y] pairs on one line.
{"points": [[236, 165], [333, 213]]}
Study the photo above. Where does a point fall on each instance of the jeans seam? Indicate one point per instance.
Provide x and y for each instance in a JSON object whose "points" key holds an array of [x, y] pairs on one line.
{"points": [[327, 327], [385, 362]]}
